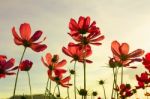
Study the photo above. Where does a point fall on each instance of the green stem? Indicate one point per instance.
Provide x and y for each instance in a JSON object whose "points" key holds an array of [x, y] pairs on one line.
{"points": [[16, 80], [84, 67], [75, 94], [46, 88], [104, 91], [68, 93], [50, 84], [113, 84], [55, 89], [30, 85], [58, 90], [122, 75]]}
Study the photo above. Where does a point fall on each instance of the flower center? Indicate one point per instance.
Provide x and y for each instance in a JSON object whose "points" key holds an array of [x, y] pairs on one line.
{"points": [[1, 71], [76, 57], [57, 79], [51, 67], [26, 43], [123, 57], [82, 31], [84, 41]]}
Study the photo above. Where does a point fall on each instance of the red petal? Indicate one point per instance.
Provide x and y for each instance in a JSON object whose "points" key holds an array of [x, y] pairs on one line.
{"points": [[115, 48], [124, 48], [38, 47], [87, 22], [48, 58], [73, 25], [42, 59], [98, 39], [36, 36], [25, 31], [81, 22], [17, 39], [136, 53], [9, 63], [62, 63], [50, 75], [66, 51], [66, 79], [97, 44]]}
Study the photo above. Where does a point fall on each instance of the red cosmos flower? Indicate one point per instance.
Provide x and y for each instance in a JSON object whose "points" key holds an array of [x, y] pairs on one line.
{"points": [[26, 40], [77, 52], [83, 26], [58, 78], [125, 91], [89, 39], [142, 80], [53, 64], [122, 55], [146, 61], [78, 31], [25, 65], [6, 67]]}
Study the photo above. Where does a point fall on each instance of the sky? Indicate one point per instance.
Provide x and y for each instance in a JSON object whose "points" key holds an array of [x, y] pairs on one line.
{"points": [[121, 20]]}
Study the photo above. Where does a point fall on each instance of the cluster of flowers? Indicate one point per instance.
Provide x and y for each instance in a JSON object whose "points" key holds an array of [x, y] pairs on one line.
{"points": [[85, 34]]}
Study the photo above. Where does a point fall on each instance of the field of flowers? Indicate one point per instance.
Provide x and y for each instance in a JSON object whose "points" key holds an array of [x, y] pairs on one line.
{"points": [[85, 34]]}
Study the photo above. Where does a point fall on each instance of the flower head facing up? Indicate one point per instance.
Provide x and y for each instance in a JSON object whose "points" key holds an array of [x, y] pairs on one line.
{"points": [[122, 55], [84, 33], [83, 26], [146, 61], [27, 40], [25, 65], [6, 67], [53, 64], [77, 52], [59, 79]]}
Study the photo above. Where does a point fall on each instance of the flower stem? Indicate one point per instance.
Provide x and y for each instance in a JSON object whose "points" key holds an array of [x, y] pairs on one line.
{"points": [[18, 73], [104, 91], [55, 89], [113, 84], [84, 67], [50, 84], [46, 88], [75, 94], [58, 90], [122, 75], [68, 93], [30, 85]]}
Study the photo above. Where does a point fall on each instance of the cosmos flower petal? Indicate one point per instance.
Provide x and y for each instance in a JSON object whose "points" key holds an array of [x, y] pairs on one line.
{"points": [[25, 31]]}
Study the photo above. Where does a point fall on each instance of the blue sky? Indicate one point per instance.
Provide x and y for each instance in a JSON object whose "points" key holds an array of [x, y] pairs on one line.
{"points": [[122, 20]]}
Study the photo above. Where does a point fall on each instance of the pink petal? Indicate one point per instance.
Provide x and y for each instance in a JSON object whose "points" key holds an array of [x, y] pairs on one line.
{"points": [[36, 36], [25, 31]]}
